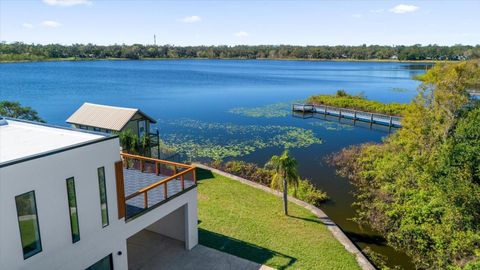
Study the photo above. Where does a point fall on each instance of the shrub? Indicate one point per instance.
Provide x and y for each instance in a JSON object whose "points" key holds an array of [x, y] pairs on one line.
{"points": [[305, 190], [358, 102]]}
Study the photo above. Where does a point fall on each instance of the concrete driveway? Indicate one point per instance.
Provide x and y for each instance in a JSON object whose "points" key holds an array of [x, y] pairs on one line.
{"points": [[151, 251]]}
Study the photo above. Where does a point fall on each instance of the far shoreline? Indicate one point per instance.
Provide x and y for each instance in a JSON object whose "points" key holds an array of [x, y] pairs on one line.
{"points": [[71, 59]]}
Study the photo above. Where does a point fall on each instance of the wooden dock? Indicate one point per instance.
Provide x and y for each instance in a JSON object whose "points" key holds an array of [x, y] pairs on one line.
{"points": [[373, 118]]}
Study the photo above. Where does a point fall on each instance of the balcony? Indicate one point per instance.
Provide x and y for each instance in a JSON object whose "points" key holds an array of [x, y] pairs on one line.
{"points": [[146, 183]]}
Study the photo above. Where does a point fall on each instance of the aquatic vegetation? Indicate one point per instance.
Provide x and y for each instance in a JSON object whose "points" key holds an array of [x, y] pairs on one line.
{"points": [[332, 126], [198, 139], [267, 111], [358, 102], [400, 90]]}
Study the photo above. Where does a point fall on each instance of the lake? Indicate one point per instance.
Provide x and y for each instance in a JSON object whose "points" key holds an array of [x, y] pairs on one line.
{"points": [[230, 109]]}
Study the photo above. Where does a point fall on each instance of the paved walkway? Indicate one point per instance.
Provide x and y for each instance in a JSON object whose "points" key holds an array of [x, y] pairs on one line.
{"points": [[151, 251]]}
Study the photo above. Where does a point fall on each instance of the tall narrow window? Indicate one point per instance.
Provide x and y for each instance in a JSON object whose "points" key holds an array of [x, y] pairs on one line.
{"points": [[28, 224], [72, 208], [103, 196]]}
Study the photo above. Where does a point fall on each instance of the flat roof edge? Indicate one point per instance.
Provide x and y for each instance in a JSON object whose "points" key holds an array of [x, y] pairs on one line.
{"points": [[55, 151], [105, 137]]}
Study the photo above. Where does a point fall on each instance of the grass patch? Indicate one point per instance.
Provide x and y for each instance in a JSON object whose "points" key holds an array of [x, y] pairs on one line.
{"points": [[358, 102], [249, 223]]}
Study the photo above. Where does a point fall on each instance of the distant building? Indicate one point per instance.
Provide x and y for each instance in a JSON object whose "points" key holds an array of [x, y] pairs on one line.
{"points": [[110, 119], [70, 200]]}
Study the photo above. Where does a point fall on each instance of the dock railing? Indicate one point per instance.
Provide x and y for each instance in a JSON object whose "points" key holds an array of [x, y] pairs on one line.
{"points": [[377, 118], [173, 171]]}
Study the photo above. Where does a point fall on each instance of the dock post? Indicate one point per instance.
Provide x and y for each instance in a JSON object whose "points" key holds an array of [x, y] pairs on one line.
{"points": [[325, 109], [391, 122], [354, 115], [371, 118], [340, 112]]}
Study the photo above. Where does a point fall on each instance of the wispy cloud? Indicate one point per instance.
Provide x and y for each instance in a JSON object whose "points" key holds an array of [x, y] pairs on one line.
{"points": [[400, 9], [380, 10], [67, 3], [51, 24], [241, 34], [192, 19], [27, 25], [357, 16]]}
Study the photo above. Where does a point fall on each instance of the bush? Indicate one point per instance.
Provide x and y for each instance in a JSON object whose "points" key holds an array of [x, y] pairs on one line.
{"points": [[358, 102], [305, 190]]}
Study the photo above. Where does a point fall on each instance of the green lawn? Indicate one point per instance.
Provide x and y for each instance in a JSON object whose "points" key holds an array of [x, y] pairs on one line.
{"points": [[249, 223]]}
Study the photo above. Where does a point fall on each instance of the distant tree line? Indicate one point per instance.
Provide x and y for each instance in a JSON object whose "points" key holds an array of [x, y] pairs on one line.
{"points": [[21, 51]]}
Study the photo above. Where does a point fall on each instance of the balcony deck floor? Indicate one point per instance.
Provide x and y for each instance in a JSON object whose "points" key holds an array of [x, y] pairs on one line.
{"points": [[135, 180]]}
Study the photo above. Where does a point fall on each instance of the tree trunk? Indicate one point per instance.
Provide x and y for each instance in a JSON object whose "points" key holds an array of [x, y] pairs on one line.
{"points": [[285, 198]]}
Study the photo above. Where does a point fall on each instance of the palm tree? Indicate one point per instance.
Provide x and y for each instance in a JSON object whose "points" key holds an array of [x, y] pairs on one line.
{"points": [[286, 173]]}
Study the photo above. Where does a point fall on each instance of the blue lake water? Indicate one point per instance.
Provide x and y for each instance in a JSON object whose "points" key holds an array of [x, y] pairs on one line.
{"points": [[193, 101]]}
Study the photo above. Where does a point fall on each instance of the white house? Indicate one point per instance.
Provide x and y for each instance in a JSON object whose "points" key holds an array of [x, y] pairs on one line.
{"points": [[70, 200]]}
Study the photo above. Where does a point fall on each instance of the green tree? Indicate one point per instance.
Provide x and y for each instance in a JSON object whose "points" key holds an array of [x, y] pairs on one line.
{"points": [[421, 188], [16, 110], [285, 173]]}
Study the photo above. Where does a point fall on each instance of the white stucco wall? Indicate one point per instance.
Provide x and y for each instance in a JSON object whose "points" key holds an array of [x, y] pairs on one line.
{"points": [[47, 177], [169, 220]]}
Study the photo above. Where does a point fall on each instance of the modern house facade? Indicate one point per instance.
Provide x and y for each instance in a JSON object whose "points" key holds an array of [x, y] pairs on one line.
{"points": [[70, 200]]}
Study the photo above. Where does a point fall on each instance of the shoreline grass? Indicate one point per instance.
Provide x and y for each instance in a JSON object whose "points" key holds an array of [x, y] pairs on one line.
{"points": [[358, 102], [249, 223]]}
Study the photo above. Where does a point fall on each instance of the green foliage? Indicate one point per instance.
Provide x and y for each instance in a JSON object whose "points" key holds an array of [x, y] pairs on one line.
{"points": [[16, 110], [284, 168], [20, 51], [358, 102], [129, 141], [342, 93], [421, 187], [305, 190]]}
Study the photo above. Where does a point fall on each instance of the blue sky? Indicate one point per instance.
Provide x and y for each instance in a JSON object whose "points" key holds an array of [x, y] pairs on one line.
{"points": [[241, 22]]}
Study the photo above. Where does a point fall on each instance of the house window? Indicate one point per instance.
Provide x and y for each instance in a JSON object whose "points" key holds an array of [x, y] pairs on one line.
{"points": [[104, 264], [72, 208], [142, 128], [103, 195], [28, 224], [96, 129]]}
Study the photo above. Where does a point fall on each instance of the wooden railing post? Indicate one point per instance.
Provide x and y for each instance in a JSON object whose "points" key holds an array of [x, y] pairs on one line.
{"points": [[194, 171], [156, 168], [165, 192], [141, 165], [145, 198], [182, 181], [121, 204]]}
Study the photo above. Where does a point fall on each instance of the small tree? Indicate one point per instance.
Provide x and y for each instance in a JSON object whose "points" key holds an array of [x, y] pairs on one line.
{"points": [[16, 110], [286, 173], [128, 141]]}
